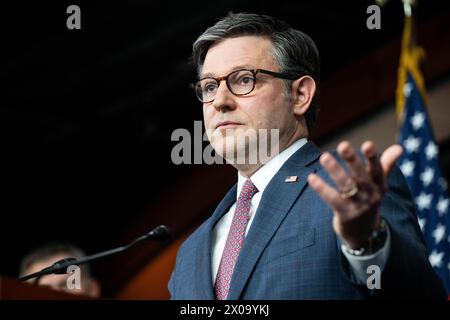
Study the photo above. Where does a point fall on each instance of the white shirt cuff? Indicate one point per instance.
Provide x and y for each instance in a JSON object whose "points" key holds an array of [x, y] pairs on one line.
{"points": [[360, 264]]}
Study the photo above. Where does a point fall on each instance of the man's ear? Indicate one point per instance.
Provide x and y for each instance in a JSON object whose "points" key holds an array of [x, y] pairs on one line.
{"points": [[303, 90]]}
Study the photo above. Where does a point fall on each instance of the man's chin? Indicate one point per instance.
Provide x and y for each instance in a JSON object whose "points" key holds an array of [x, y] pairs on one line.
{"points": [[224, 148], [235, 155]]}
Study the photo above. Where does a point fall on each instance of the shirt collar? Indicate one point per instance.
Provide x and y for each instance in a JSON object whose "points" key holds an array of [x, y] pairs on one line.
{"points": [[263, 175]]}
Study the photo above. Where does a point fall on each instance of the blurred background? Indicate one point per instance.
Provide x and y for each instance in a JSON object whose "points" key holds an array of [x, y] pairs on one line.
{"points": [[86, 118]]}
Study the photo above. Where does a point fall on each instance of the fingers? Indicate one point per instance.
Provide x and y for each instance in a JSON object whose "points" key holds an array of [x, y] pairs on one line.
{"points": [[354, 163], [371, 177], [389, 157], [326, 192], [336, 172], [374, 167], [354, 215]]}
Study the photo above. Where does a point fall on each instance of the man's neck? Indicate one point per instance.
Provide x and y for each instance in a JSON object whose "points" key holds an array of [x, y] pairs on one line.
{"points": [[247, 170]]}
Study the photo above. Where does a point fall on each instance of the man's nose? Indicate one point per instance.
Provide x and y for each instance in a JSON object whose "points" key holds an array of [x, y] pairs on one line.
{"points": [[224, 100]]}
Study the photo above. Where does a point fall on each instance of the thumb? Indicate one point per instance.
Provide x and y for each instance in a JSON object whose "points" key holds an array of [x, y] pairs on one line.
{"points": [[389, 156]]}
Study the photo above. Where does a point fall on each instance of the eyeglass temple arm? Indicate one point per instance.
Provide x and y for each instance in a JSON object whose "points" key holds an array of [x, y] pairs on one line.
{"points": [[277, 74]]}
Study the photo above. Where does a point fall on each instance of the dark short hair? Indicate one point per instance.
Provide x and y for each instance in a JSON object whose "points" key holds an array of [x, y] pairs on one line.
{"points": [[49, 250], [295, 52]]}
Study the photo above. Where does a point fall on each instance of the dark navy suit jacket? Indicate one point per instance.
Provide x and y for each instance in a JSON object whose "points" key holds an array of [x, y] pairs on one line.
{"points": [[291, 250]]}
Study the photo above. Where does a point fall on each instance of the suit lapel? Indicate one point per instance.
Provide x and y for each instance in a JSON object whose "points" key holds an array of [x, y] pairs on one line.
{"points": [[277, 200], [203, 252]]}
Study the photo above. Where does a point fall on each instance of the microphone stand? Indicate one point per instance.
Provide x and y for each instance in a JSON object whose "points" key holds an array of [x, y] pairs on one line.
{"points": [[160, 233]]}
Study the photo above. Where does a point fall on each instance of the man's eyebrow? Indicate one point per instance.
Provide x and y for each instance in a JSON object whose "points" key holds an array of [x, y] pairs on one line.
{"points": [[212, 75]]}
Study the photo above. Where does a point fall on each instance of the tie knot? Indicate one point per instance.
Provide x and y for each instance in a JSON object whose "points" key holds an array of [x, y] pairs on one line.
{"points": [[248, 190]]}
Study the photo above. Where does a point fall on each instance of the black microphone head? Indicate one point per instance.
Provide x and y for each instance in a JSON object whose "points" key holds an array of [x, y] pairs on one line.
{"points": [[160, 233], [60, 266]]}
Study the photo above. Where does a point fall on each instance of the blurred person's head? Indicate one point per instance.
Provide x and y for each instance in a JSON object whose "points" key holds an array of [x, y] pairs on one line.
{"points": [[46, 255]]}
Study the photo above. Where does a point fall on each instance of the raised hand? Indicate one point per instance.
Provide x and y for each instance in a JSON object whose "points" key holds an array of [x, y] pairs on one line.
{"points": [[357, 198]]}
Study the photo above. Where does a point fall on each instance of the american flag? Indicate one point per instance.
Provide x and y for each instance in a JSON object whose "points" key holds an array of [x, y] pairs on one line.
{"points": [[420, 165]]}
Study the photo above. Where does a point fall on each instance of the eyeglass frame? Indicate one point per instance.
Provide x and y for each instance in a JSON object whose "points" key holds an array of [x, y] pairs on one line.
{"points": [[253, 71]]}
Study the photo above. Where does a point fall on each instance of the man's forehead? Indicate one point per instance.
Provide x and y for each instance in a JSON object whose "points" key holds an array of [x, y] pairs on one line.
{"points": [[246, 52], [238, 67]]}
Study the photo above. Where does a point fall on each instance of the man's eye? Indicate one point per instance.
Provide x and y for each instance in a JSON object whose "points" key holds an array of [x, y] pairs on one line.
{"points": [[210, 87], [245, 80]]}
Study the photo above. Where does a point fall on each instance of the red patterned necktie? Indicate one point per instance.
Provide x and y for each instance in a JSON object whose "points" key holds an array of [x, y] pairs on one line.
{"points": [[235, 240]]}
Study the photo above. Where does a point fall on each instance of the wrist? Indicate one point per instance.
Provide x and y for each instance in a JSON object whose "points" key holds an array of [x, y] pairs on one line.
{"points": [[374, 243]]}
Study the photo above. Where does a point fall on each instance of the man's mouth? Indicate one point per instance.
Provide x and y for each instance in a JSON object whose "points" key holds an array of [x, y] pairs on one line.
{"points": [[227, 125]]}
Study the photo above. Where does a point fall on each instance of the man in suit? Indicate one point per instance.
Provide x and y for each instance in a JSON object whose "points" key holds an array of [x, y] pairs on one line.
{"points": [[301, 225]]}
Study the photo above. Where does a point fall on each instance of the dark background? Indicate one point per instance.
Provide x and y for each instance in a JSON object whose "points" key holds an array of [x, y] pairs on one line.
{"points": [[86, 115]]}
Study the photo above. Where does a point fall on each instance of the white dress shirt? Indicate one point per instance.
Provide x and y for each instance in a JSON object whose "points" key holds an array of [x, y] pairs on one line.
{"points": [[261, 179]]}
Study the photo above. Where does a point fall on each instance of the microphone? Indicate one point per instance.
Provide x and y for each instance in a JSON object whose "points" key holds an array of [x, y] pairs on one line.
{"points": [[160, 233]]}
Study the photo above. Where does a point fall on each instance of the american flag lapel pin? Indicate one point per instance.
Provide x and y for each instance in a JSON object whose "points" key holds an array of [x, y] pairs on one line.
{"points": [[290, 179]]}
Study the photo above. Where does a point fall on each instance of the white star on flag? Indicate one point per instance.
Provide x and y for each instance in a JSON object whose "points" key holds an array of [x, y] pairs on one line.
{"points": [[423, 201], [431, 150], [417, 120], [427, 176], [442, 206], [439, 233], [435, 258], [407, 168], [412, 144]]}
